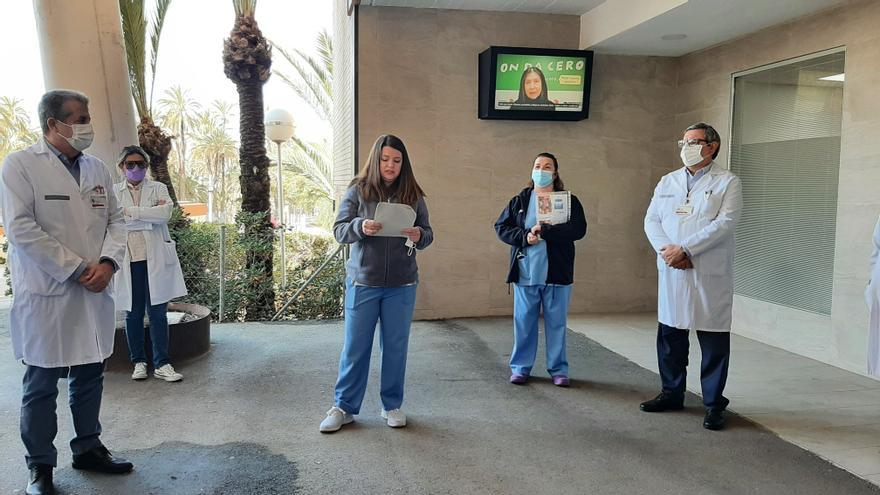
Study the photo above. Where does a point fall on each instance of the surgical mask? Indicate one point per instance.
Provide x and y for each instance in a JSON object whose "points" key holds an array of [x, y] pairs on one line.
{"points": [[82, 137], [136, 175], [691, 154], [542, 178]]}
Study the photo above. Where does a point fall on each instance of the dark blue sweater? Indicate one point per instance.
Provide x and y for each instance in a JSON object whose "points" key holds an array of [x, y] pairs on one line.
{"points": [[560, 238]]}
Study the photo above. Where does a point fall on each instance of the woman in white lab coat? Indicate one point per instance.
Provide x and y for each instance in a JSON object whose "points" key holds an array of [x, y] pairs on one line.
{"points": [[872, 296], [150, 275]]}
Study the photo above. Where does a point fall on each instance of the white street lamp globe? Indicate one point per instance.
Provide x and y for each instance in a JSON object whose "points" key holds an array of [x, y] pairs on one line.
{"points": [[279, 125]]}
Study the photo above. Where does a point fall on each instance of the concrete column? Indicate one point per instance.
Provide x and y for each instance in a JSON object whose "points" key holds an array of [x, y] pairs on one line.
{"points": [[82, 48]]}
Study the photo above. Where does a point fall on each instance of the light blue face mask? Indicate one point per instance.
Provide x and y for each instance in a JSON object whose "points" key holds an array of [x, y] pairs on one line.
{"points": [[542, 178]]}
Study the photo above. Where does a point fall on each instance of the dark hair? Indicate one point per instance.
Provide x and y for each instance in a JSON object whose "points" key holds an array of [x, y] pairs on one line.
{"points": [[557, 181], [369, 180], [542, 98], [132, 150], [52, 106], [712, 135]]}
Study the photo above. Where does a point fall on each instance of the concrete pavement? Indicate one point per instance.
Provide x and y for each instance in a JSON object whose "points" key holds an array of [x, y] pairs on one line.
{"points": [[245, 420]]}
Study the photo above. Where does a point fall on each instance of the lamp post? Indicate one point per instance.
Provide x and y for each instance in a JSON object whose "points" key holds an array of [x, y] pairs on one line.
{"points": [[210, 199], [279, 129]]}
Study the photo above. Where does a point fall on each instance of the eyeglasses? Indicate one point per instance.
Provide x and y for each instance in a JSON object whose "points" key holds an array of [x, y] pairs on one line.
{"points": [[138, 164], [691, 142]]}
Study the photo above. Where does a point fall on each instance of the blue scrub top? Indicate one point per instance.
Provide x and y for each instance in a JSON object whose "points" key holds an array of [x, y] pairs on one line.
{"points": [[533, 266]]}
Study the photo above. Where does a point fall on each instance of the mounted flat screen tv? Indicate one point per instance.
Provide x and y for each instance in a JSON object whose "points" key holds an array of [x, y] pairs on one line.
{"points": [[534, 83]]}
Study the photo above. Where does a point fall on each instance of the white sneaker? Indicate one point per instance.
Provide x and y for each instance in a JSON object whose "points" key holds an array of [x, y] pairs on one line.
{"points": [[168, 374], [335, 419], [140, 371], [395, 417]]}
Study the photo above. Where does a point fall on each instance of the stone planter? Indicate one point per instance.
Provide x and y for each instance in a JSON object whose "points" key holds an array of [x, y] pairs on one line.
{"points": [[188, 340]]}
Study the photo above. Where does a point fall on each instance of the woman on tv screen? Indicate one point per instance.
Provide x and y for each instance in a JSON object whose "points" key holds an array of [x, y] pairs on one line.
{"points": [[533, 92]]}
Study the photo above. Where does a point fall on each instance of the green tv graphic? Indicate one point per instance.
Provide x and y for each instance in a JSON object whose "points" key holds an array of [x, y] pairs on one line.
{"points": [[563, 77]]}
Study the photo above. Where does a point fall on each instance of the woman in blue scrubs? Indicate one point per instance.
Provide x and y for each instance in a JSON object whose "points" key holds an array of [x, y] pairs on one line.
{"points": [[541, 271], [381, 279]]}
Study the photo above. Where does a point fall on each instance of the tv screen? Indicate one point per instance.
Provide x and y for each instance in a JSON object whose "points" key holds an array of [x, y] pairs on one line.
{"points": [[534, 83]]}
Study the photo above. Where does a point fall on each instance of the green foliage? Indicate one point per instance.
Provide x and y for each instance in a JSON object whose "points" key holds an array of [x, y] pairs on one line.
{"points": [[198, 247], [322, 299], [15, 127], [134, 33]]}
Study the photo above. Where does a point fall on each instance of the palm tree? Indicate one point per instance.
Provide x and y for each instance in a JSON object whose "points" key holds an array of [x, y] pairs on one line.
{"points": [[15, 127], [213, 148], [247, 62], [177, 112], [313, 83], [152, 139]]}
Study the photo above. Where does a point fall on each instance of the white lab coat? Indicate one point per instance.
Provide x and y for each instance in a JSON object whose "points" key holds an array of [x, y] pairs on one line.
{"points": [[53, 225], [700, 298], [872, 297], [163, 267]]}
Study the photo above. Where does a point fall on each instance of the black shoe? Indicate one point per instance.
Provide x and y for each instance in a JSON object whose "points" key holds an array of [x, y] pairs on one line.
{"points": [[663, 402], [714, 419], [101, 460], [40, 481]]}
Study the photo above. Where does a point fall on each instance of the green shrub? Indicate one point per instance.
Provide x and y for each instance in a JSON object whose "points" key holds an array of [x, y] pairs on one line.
{"points": [[198, 247]]}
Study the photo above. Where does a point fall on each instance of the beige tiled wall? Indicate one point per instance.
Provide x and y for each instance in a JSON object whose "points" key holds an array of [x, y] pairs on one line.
{"points": [[704, 93], [418, 79], [425, 91]]}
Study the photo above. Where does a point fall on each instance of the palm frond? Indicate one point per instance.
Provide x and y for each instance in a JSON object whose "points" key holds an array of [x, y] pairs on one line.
{"points": [[311, 161], [318, 71], [325, 49], [312, 90], [245, 8], [155, 34], [312, 79], [134, 28], [313, 99]]}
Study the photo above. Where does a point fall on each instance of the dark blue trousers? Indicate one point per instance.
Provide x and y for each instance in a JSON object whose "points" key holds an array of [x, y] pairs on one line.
{"points": [[39, 423], [672, 356]]}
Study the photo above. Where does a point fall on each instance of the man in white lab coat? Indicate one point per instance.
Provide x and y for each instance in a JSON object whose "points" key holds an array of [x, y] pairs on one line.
{"points": [[872, 297], [690, 223], [66, 239]]}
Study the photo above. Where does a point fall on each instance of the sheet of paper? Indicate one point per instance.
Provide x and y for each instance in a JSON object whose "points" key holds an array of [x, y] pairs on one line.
{"points": [[394, 217]]}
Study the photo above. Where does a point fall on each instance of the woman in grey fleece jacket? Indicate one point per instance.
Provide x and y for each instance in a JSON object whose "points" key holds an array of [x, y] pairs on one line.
{"points": [[381, 280]]}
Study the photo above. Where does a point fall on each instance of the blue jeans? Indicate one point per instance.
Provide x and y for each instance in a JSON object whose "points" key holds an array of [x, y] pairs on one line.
{"points": [[527, 303], [39, 422], [134, 320], [393, 308]]}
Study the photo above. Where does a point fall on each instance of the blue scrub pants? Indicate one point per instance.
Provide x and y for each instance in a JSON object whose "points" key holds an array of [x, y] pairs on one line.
{"points": [[672, 356], [39, 423], [393, 308], [527, 303], [134, 320]]}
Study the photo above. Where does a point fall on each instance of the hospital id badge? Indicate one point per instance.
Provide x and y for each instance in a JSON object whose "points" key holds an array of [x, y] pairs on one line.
{"points": [[684, 210], [98, 200]]}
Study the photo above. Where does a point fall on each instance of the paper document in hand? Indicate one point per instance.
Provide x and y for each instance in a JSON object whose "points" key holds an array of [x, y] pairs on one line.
{"points": [[394, 217], [553, 207]]}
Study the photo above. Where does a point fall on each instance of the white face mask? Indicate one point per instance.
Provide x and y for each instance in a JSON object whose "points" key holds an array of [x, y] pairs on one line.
{"points": [[82, 137], [691, 154]]}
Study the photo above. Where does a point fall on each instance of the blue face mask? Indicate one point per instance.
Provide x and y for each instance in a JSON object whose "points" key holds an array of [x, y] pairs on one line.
{"points": [[542, 178]]}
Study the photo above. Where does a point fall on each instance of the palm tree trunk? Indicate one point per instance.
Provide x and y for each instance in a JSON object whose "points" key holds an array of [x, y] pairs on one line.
{"points": [[255, 186], [157, 144]]}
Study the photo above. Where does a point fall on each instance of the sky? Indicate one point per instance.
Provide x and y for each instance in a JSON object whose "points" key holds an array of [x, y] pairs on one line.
{"points": [[190, 53]]}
